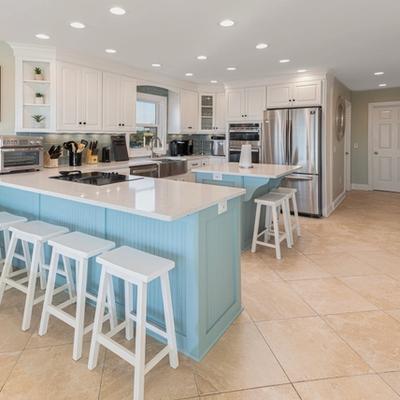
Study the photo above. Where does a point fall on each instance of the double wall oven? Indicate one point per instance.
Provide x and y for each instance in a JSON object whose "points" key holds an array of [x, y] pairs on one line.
{"points": [[245, 133]]}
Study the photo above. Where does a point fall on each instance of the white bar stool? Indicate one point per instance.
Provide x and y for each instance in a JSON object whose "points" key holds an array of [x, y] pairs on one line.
{"points": [[79, 247], [138, 268], [273, 203], [294, 222], [37, 233], [6, 221]]}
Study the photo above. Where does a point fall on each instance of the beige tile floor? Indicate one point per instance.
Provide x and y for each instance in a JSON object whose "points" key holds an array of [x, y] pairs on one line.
{"points": [[322, 324]]}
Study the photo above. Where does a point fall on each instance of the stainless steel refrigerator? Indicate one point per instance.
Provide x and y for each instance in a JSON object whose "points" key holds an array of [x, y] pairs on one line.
{"points": [[293, 136]]}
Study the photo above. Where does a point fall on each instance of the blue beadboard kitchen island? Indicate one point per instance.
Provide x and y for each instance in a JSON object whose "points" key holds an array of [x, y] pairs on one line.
{"points": [[258, 180], [194, 225]]}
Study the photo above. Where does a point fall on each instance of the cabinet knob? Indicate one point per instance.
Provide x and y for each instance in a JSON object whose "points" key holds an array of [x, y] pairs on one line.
{"points": [[189, 127], [119, 124], [123, 124], [294, 99], [80, 123], [290, 100], [84, 123]]}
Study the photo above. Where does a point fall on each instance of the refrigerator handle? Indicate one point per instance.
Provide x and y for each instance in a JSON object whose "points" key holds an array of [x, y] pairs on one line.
{"points": [[287, 138]]}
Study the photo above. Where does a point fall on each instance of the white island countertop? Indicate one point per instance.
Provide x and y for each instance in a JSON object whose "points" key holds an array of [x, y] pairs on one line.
{"points": [[162, 199], [270, 171]]}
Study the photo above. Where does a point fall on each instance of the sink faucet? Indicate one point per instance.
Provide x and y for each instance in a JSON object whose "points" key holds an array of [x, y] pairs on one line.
{"points": [[154, 140]]}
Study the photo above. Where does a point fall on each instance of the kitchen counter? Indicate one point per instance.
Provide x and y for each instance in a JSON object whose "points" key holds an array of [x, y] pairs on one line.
{"points": [[162, 199]]}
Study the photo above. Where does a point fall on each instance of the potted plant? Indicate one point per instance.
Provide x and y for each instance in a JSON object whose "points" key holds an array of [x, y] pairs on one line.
{"points": [[39, 120], [38, 73], [39, 98]]}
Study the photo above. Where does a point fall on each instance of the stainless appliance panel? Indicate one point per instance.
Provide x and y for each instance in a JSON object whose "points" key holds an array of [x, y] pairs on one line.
{"points": [[234, 155], [308, 194], [275, 140], [304, 139]]}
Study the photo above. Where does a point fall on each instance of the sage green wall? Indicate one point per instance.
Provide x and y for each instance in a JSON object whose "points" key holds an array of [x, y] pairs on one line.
{"points": [[7, 117], [359, 128]]}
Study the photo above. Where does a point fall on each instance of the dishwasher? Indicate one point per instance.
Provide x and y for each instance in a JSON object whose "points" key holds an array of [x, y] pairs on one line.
{"points": [[148, 170]]}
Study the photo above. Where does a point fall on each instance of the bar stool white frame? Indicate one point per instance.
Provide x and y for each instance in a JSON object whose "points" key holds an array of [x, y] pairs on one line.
{"points": [[136, 359], [295, 221], [35, 267], [273, 203], [77, 322]]}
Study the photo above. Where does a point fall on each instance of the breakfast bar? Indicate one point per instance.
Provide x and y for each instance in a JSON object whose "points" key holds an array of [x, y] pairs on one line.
{"points": [[193, 225], [258, 180]]}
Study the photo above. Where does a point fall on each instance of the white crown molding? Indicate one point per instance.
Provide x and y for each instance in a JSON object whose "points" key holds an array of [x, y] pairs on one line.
{"points": [[33, 51]]}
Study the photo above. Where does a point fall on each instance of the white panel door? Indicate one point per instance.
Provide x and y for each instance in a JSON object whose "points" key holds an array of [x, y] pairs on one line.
{"points": [[68, 91], [255, 103], [189, 111], [386, 148], [278, 96], [91, 99], [306, 94], [128, 104], [111, 102], [235, 105], [220, 109]]}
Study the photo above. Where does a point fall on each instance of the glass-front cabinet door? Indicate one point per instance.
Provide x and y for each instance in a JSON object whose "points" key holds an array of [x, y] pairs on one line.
{"points": [[207, 107]]}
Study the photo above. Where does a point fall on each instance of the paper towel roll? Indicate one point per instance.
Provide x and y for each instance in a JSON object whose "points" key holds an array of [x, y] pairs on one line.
{"points": [[245, 156]]}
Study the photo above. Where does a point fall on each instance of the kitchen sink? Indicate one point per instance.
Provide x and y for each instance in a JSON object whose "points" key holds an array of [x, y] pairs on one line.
{"points": [[160, 168]]}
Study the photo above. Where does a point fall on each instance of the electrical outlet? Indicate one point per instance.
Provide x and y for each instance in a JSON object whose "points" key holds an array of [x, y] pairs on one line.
{"points": [[217, 176], [356, 145], [222, 207]]}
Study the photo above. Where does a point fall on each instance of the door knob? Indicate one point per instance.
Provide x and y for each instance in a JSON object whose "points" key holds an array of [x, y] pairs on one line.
{"points": [[376, 153], [347, 153]]}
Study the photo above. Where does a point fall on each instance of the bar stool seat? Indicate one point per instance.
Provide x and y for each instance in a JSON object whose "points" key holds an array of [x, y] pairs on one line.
{"points": [[37, 233], [138, 268], [273, 203], [80, 247], [294, 222]]}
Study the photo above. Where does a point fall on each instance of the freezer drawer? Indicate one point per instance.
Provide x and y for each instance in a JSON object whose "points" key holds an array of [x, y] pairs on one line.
{"points": [[308, 193]]}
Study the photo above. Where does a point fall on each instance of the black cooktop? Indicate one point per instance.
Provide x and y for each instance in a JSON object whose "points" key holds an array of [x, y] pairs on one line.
{"points": [[94, 178]]}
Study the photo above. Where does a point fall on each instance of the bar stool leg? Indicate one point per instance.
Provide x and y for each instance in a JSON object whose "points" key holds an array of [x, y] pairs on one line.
{"points": [[128, 310], [42, 271], [111, 305], [82, 266], [296, 214], [68, 276], [267, 224], [256, 227], [6, 236], [287, 224], [169, 320], [7, 265], [27, 254], [48, 297], [275, 221], [140, 344], [26, 320], [98, 320]]}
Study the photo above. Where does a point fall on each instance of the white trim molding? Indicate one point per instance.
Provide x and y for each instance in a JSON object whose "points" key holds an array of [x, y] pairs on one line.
{"points": [[360, 186]]}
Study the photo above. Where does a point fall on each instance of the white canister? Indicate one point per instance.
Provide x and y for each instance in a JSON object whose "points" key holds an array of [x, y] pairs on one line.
{"points": [[245, 156]]}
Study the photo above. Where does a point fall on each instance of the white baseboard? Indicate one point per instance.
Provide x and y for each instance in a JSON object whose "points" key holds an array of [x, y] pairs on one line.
{"points": [[359, 186], [338, 200]]}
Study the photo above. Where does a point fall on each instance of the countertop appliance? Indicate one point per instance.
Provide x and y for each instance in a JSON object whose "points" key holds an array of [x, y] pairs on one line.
{"points": [[293, 136], [118, 148], [218, 145], [245, 133], [94, 178], [20, 153], [181, 148]]}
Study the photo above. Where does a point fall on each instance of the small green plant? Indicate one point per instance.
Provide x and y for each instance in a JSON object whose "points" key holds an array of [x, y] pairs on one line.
{"points": [[39, 95], [38, 71], [38, 118]]}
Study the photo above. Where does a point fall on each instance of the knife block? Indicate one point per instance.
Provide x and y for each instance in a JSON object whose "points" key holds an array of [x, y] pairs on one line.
{"points": [[49, 162], [91, 158]]}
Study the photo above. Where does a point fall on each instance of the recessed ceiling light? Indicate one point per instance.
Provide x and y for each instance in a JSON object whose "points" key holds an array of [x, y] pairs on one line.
{"points": [[77, 25], [300, 71], [213, 81], [117, 11], [227, 23], [156, 65], [189, 74], [202, 58], [378, 73], [231, 68], [382, 85], [261, 46], [110, 51], [284, 61], [42, 36]]}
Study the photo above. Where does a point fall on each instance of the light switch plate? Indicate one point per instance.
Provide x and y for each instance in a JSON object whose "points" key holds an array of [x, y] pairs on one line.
{"points": [[356, 145], [222, 207], [217, 176]]}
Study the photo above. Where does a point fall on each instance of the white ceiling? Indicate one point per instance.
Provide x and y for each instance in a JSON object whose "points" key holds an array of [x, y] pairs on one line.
{"points": [[354, 38]]}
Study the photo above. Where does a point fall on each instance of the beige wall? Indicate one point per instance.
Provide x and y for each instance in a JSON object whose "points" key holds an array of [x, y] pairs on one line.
{"points": [[7, 89], [359, 128]]}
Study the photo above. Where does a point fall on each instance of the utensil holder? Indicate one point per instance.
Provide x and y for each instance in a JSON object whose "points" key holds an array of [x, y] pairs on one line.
{"points": [[75, 159], [91, 158], [49, 162]]}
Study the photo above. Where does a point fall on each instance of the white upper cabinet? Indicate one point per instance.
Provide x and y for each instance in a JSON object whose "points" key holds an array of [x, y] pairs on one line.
{"points": [[119, 103], [189, 111], [298, 94], [212, 113], [79, 98], [245, 104]]}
